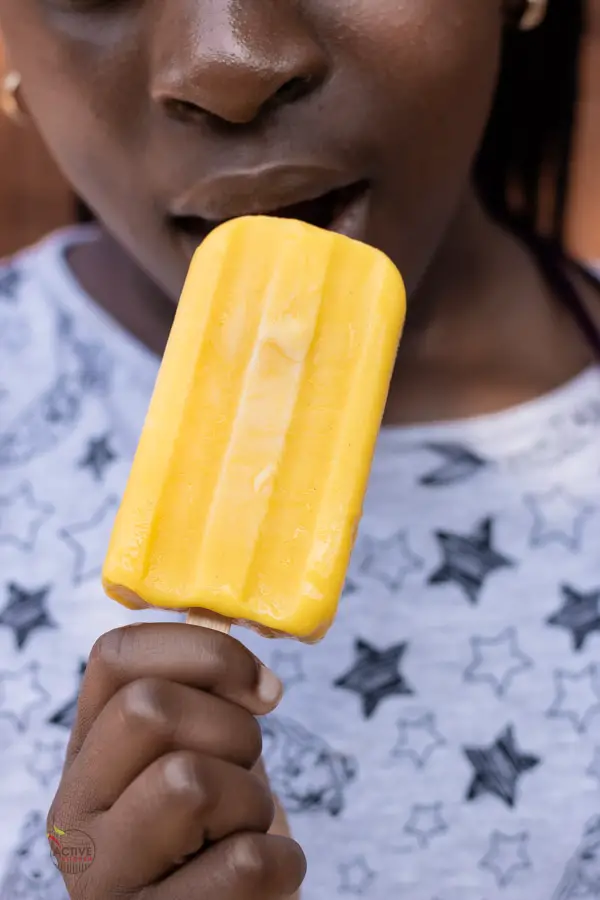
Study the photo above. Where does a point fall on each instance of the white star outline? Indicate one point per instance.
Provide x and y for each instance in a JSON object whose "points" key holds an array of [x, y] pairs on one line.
{"points": [[21, 694], [418, 739], [497, 661], [571, 688], [506, 856], [426, 822], [287, 665], [386, 561], [46, 761], [355, 876], [22, 517], [87, 543], [558, 517]]}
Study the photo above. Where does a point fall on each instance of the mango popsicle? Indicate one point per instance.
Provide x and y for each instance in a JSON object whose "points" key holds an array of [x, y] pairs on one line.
{"points": [[247, 485]]}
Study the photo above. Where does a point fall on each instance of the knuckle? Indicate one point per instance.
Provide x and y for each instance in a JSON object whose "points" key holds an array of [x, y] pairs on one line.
{"points": [[249, 858], [145, 704], [107, 651], [186, 778]]}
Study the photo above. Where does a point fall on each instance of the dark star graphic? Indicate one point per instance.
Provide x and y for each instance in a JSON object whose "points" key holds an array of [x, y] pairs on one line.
{"points": [[88, 541], [98, 457], [9, 283], [468, 559], [65, 716], [580, 876], [579, 614], [25, 612], [388, 561], [459, 464], [375, 675], [498, 767], [506, 856], [577, 696], [497, 661], [22, 516]]}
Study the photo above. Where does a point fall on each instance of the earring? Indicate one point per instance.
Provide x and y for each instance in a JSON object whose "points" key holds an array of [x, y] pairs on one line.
{"points": [[533, 15], [10, 102]]}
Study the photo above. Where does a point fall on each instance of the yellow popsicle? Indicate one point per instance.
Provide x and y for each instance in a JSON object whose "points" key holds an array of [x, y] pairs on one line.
{"points": [[247, 486]]}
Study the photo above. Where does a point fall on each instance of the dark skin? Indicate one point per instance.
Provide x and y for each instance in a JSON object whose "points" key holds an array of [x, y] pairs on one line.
{"points": [[208, 109]]}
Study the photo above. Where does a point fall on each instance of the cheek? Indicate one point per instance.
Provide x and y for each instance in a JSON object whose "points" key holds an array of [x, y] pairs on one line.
{"points": [[93, 127], [432, 67]]}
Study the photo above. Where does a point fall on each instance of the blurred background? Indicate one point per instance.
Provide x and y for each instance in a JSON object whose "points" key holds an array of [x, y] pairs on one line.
{"points": [[34, 199]]}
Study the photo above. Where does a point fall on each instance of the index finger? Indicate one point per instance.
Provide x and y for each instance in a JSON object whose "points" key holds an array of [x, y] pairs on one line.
{"points": [[196, 657]]}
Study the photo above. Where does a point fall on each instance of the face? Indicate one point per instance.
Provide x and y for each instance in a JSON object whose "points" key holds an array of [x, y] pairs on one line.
{"points": [[169, 117]]}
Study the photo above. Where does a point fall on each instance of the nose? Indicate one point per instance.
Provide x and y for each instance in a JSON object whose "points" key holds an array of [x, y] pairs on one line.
{"points": [[233, 59]]}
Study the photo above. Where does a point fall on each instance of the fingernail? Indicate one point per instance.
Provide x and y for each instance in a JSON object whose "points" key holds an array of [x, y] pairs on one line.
{"points": [[269, 688]]}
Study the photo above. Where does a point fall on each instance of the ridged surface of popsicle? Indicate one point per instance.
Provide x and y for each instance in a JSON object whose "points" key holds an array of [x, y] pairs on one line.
{"points": [[247, 486]]}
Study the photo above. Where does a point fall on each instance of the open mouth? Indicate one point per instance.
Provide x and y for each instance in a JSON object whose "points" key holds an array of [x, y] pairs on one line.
{"points": [[337, 210]]}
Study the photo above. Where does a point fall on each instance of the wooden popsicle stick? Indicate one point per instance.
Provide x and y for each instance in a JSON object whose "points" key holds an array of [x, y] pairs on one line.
{"points": [[207, 619]]}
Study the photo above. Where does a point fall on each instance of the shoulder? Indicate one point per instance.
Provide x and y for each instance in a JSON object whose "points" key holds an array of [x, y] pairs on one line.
{"points": [[35, 265], [43, 323]]}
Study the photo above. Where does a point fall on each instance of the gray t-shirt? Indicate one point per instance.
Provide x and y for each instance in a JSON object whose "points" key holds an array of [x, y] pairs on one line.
{"points": [[443, 741]]}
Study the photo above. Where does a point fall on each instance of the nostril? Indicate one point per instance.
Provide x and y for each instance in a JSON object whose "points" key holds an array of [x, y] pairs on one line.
{"points": [[293, 90], [181, 110]]}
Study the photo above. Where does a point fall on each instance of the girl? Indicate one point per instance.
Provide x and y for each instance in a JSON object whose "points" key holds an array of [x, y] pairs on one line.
{"points": [[443, 741]]}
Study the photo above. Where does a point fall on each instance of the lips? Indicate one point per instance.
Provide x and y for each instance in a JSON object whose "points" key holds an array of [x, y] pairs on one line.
{"points": [[285, 193]]}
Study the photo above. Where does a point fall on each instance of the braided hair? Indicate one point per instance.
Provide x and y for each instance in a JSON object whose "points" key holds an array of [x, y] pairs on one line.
{"points": [[522, 172]]}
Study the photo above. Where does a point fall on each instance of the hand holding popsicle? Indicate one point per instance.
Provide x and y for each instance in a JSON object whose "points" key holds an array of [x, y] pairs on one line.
{"points": [[242, 505], [159, 769]]}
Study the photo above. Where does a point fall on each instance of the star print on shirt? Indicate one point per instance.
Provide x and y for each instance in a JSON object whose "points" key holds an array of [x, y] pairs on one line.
{"points": [[287, 665], [22, 517], [593, 770], [82, 369], [10, 279], [558, 518], [497, 768], [65, 715], [577, 696], [98, 457], [507, 855], [468, 559], [375, 675], [21, 694], [579, 614], [89, 540], [426, 822], [388, 561], [497, 661], [356, 877], [459, 464], [580, 876], [418, 739], [46, 761], [25, 612]]}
